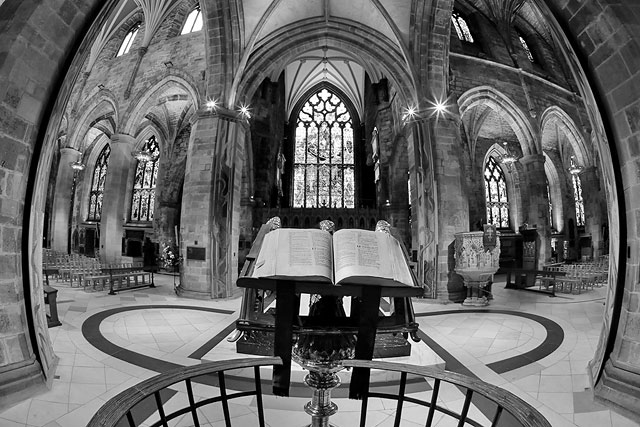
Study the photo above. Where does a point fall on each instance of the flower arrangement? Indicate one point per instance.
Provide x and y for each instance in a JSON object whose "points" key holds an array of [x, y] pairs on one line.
{"points": [[170, 257]]}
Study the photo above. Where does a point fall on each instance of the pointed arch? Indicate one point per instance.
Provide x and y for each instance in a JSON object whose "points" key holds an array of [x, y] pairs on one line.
{"points": [[487, 96], [555, 118]]}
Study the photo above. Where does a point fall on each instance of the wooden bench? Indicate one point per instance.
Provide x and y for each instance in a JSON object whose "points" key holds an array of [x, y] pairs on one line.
{"points": [[527, 278], [128, 277]]}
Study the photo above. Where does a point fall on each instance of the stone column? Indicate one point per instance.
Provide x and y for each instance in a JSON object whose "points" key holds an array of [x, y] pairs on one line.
{"points": [[537, 213], [593, 198], [442, 201], [62, 199], [114, 199], [209, 222]]}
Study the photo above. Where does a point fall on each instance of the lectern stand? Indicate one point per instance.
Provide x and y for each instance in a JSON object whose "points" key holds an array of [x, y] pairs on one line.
{"points": [[363, 323]]}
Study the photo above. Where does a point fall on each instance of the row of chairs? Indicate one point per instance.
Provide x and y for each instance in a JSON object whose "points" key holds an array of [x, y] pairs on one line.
{"points": [[89, 273], [577, 277]]}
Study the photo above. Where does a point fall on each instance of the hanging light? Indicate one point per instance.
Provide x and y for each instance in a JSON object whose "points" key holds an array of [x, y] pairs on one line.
{"points": [[509, 158], [142, 155], [574, 168], [77, 165]]}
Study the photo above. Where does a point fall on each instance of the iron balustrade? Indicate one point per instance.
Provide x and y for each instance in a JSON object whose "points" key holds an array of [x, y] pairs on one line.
{"points": [[500, 407]]}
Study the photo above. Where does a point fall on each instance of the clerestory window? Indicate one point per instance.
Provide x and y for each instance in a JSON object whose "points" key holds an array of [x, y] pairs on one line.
{"points": [[495, 189], [97, 184], [526, 48], [193, 22], [125, 47], [323, 166], [144, 184], [577, 197], [461, 27]]}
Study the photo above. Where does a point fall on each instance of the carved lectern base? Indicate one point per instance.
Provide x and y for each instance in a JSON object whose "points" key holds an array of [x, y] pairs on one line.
{"points": [[260, 343]]}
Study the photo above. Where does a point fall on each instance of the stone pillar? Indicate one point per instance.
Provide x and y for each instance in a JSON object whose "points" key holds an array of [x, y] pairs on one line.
{"points": [[593, 198], [114, 199], [537, 213], [62, 199], [446, 201], [209, 222]]}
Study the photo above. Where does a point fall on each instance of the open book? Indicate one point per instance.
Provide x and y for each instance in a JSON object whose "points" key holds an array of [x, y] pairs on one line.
{"points": [[349, 256]]}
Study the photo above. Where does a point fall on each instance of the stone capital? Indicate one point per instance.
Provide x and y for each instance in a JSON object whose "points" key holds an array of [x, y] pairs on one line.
{"points": [[534, 159], [70, 153]]}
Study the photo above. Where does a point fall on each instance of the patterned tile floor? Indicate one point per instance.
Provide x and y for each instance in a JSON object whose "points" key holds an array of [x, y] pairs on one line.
{"points": [[533, 345]]}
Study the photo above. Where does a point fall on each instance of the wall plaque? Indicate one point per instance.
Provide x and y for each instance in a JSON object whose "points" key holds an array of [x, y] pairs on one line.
{"points": [[196, 253]]}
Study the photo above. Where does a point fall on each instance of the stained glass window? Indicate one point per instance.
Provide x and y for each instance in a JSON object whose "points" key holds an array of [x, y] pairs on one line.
{"points": [[495, 190], [323, 164], [577, 197], [525, 46], [97, 184], [461, 27], [128, 40], [550, 206], [193, 22], [144, 184]]}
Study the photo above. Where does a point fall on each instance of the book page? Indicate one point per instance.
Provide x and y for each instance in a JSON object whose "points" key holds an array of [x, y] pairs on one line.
{"points": [[362, 256], [361, 253], [296, 253]]}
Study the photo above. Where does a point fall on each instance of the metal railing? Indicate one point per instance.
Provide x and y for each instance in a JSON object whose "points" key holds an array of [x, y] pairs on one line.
{"points": [[487, 404]]}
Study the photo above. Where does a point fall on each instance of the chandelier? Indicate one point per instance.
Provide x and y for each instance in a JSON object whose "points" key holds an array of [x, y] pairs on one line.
{"points": [[509, 158], [574, 168], [143, 155]]}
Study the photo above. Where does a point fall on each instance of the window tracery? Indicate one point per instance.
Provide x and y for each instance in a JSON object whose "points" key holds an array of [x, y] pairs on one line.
{"points": [[526, 48], [144, 185], [323, 166], [461, 27], [577, 197], [125, 47], [495, 188], [97, 185], [193, 22]]}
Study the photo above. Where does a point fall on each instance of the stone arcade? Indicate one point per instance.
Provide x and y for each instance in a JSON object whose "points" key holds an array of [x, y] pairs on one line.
{"points": [[198, 120]]}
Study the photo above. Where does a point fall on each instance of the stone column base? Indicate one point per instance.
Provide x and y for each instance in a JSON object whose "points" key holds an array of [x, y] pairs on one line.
{"points": [[619, 389], [187, 293], [21, 381]]}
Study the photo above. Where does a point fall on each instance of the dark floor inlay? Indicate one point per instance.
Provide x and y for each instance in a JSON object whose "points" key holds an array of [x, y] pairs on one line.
{"points": [[555, 336]]}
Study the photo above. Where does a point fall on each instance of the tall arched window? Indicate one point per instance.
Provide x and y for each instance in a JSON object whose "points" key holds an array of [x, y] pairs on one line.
{"points": [[577, 197], [97, 184], [193, 22], [550, 205], [495, 189], [144, 185], [527, 50], [128, 39], [323, 166], [461, 27]]}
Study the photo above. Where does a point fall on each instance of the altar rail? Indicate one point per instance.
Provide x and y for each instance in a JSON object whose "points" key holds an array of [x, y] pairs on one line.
{"points": [[501, 407]]}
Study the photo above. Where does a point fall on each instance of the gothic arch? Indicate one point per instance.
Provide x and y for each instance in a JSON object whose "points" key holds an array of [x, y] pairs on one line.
{"points": [[555, 116], [100, 111], [270, 58], [144, 100], [489, 97], [555, 192]]}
